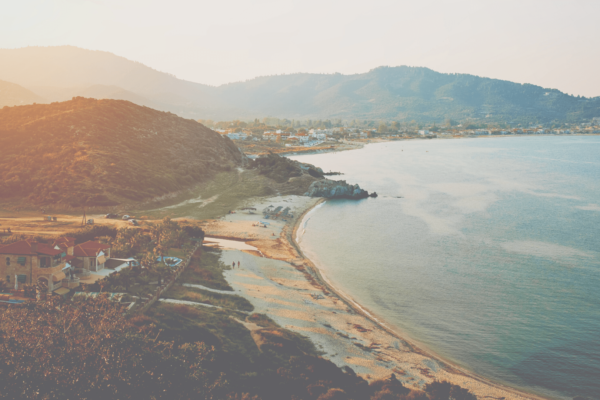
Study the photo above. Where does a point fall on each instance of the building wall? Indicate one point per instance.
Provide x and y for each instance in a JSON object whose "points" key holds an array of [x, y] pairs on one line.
{"points": [[17, 269], [48, 273], [31, 269]]}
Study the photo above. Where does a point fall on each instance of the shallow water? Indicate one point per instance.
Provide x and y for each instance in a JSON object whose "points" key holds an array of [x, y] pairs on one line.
{"points": [[490, 258]]}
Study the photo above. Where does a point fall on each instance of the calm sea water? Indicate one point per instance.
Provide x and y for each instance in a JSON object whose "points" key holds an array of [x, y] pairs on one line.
{"points": [[487, 251]]}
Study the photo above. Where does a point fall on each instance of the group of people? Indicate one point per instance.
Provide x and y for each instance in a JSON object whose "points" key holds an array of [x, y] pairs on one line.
{"points": [[233, 265]]}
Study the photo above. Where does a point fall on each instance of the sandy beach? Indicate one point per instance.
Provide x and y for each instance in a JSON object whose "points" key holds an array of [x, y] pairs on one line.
{"points": [[279, 281]]}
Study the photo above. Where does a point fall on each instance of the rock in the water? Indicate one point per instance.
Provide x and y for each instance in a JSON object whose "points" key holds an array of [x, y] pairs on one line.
{"points": [[336, 190]]}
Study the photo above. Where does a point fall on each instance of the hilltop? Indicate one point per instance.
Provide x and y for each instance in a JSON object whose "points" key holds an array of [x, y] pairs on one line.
{"points": [[385, 93], [104, 152]]}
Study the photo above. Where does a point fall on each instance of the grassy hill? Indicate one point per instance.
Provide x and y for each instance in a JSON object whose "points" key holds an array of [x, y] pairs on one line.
{"points": [[384, 93], [104, 152]]}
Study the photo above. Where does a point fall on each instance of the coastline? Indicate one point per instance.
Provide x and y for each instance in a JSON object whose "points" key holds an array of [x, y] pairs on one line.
{"points": [[281, 282], [361, 310], [360, 143]]}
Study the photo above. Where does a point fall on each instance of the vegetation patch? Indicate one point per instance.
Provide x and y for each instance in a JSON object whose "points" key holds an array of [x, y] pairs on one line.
{"points": [[262, 320], [206, 269], [229, 301], [187, 324], [104, 152]]}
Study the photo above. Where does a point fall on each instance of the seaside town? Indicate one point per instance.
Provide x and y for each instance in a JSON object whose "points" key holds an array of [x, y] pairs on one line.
{"points": [[295, 134]]}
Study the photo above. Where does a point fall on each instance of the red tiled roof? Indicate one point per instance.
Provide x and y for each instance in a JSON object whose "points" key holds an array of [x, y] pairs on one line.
{"points": [[94, 245], [64, 242], [43, 248], [23, 247], [79, 251], [89, 249]]}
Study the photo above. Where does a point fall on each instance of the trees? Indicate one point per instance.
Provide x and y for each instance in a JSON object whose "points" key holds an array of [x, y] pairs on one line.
{"points": [[164, 236], [162, 271], [87, 349]]}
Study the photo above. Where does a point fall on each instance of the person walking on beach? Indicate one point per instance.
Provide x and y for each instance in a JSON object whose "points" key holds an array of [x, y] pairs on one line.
{"points": [[233, 265], [238, 265]]}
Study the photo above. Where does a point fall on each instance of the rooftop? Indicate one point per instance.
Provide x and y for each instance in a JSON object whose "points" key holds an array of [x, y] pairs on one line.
{"points": [[29, 248]]}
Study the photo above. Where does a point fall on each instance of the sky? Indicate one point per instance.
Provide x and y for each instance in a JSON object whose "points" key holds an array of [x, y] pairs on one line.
{"points": [[551, 43]]}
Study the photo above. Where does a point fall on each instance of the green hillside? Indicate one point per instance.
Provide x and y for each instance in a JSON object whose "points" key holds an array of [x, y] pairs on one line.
{"points": [[404, 93], [104, 152]]}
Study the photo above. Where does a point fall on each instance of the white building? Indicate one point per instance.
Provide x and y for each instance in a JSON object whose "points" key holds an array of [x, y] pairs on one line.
{"points": [[237, 136]]}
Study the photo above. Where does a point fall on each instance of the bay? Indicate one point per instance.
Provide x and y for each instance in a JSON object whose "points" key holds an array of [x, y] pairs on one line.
{"points": [[485, 251]]}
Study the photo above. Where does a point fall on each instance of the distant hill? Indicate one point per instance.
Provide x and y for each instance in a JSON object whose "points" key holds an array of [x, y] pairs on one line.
{"points": [[403, 93], [385, 93], [104, 152], [12, 94]]}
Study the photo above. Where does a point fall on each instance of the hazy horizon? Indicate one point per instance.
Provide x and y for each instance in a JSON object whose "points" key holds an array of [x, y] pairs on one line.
{"points": [[550, 44]]}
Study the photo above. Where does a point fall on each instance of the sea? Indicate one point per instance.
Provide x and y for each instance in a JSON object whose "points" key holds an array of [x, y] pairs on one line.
{"points": [[485, 251]]}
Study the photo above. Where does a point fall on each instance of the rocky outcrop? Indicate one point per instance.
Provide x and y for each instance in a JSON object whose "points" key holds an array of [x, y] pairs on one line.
{"points": [[337, 190]]}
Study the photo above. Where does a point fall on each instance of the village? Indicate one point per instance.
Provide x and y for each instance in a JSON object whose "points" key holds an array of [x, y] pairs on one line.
{"points": [[280, 135], [130, 261]]}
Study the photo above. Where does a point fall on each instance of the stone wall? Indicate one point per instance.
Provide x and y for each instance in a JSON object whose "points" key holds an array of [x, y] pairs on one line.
{"points": [[12, 268]]}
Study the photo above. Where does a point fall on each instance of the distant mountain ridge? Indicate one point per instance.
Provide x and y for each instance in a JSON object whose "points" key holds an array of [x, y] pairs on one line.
{"points": [[384, 93], [103, 153], [12, 94]]}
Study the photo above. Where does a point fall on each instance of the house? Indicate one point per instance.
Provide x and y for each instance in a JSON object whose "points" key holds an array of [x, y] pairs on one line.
{"points": [[28, 262], [237, 135], [302, 137], [93, 255], [64, 243], [268, 136]]}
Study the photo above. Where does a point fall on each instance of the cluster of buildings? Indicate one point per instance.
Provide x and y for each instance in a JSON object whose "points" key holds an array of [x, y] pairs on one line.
{"points": [[517, 131], [317, 136], [59, 265], [311, 138]]}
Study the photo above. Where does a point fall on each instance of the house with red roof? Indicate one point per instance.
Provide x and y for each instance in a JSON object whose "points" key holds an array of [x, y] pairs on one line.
{"points": [[65, 244], [93, 254], [29, 262]]}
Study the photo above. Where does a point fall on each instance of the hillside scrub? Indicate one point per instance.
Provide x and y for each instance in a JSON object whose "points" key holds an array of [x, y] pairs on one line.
{"points": [[206, 269], [281, 169], [104, 152], [86, 349], [229, 301], [89, 349]]}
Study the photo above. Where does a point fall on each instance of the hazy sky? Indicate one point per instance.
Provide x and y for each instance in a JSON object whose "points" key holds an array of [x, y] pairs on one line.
{"points": [[550, 43]]}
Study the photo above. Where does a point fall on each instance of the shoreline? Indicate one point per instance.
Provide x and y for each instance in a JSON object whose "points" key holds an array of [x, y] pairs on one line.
{"points": [[449, 366], [360, 143]]}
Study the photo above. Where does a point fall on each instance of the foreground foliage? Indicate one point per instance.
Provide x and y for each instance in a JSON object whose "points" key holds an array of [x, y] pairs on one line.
{"points": [[88, 349], [85, 350]]}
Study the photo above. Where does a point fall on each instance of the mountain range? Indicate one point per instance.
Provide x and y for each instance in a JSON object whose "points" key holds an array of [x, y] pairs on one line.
{"points": [[48, 74]]}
